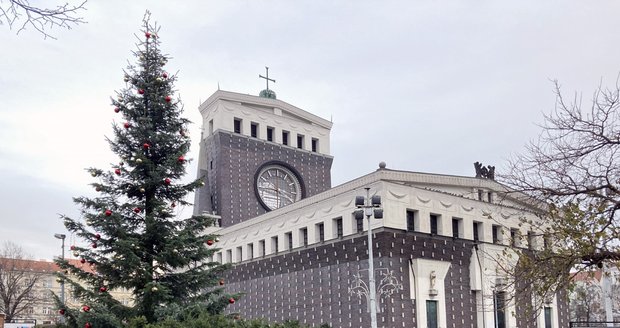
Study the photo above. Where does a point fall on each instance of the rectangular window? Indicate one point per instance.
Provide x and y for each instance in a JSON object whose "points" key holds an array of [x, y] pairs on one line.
{"points": [[514, 237], [315, 145], [274, 244], [434, 218], [497, 234], [477, 227], [261, 247], [239, 253], [359, 224], [320, 231], [411, 216], [300, 141], [229, 256], [254, 130], [530, 240], [303, 234], [219, 257], [499, 303], [338, 227], [480, 194], [456, 227], [237, 125], [490, 197], [289, 239], [285, 138], [250, 251], [269, 133], [431, 314], [548, 317], [210, 127]]}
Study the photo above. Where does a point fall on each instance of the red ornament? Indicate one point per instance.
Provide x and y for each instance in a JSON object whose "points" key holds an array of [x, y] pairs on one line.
{"points": [[147, 34], [97, 236], [88, 325], [137, 210], [82, 261], [165, 75], [168, 98], [97, 188], [181, 159], [167, 181], [94, 245], [141, 91], [108, 212], [173, 205], [102, 289], [117, 171], [209, 242], [182, 132], [116, 110], [146, 146], [127, 125], [72, 247], [231, 300], [61, 311], [85, 308], [221, 282]]}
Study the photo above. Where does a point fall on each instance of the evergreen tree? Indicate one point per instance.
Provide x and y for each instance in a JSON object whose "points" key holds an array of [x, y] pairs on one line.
{"points": [[136, 242]]}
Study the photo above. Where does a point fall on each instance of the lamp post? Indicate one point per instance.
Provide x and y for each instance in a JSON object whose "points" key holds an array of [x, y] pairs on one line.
{"points": [[371, 207], [62, 257]]}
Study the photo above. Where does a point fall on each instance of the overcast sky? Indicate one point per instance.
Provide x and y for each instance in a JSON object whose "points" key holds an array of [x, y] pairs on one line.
{"points": [[429, 86]]}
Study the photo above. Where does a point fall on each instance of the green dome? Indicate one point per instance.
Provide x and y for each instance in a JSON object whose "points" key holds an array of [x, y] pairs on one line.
{"points": [[267, 94]]}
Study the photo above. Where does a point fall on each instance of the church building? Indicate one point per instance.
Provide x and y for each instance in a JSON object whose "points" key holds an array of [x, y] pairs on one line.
{"points": [[299, 247]]}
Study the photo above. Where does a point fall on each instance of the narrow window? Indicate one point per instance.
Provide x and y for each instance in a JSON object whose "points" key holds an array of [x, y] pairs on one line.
{"points": [[250, 251], [411, 215], [269, 133], [289, 238], [320, 231], [431, 314], [499, 303], [546, 241], [477, 227], [237, 125], [530, 240], [285, 138], [239, 254], [548, 317], [434, 223], [514, 237], [210, 127], [359, 224], [456, 225], [254, 130], [497, 232], [300, 141], [338, 227], [229, 256], [304, 236], [480, 194], [219, 257], [490, 197], [261, 247], [315, 145], [211, 164], [274, 244]]}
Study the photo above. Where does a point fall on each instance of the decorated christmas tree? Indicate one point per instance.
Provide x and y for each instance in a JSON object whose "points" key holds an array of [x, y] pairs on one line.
{"points": [[135, 241]]}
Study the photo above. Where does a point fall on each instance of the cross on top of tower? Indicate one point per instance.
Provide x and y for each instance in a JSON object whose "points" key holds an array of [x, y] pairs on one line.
{"points": [[267, 93]]}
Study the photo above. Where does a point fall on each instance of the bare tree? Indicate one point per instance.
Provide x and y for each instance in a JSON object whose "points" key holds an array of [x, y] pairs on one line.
{"points": [[573, 169], [20, 14], [17, 281]]}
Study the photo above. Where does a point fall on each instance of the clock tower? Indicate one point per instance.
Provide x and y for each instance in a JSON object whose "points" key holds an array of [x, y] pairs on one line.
{"points": [[259, 154]]}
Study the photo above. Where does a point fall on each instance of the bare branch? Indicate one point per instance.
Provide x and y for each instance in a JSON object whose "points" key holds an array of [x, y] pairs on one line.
{"points": [[21, 15]]}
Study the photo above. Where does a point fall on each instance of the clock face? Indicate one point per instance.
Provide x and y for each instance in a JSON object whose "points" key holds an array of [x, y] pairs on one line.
{"points": [[277, 186]]}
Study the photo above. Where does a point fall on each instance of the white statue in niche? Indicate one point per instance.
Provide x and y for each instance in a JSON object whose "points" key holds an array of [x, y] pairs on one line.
{"points": [[433, 279]]}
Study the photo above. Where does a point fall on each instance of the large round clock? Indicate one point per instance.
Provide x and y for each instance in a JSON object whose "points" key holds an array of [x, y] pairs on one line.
{"points": [[277, 186]]}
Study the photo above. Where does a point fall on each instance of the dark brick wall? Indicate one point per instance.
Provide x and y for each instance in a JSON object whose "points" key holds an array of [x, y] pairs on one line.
{"points": [[229, 185], [311, 285]]}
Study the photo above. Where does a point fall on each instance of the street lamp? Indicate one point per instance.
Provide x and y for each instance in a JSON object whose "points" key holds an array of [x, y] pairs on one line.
{"points": [[371, 207], [62, 257]]}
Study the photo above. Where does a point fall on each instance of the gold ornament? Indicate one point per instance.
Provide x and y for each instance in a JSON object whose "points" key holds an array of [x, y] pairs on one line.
{"points": [[142, 190], [139, 160], [154, 289]]}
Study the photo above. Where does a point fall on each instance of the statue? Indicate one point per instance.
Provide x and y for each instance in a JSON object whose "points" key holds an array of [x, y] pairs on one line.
{"points": [[433, 279], [487, 172]]}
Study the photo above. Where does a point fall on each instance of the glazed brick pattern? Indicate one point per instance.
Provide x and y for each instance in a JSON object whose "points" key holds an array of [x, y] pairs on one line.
{"points": [[311, 284], [234, 158]]}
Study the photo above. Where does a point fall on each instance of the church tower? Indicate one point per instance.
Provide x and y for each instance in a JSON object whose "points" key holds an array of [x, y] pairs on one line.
{"points": [[258, 154]]}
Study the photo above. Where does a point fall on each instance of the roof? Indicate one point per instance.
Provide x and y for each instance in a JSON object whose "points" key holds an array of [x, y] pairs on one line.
{"points": [[588, 276], [42, 266]]}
